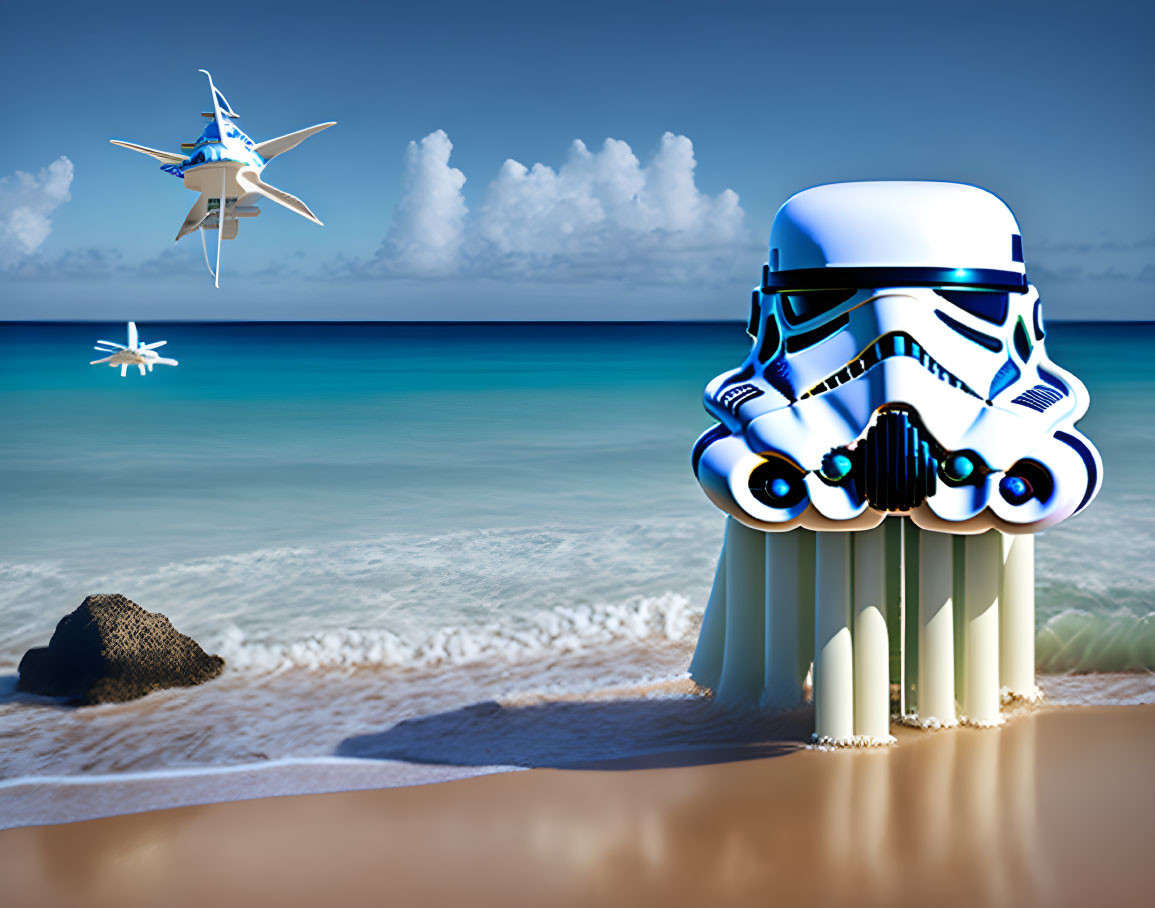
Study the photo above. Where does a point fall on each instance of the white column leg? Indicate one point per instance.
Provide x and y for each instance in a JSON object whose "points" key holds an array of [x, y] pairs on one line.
{"points": [[1017, 618], [980, 690], [936, 630], [958, 597], [706, 666], [833, 650], [783, 688], [871, 644], [908, 616], [806, 543], [743, 661], [895, 607]]}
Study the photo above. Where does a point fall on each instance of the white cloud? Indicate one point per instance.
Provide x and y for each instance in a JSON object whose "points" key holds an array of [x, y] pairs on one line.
{"points": [[26, 203], [426, 233], [603, 214], [600, 215]]}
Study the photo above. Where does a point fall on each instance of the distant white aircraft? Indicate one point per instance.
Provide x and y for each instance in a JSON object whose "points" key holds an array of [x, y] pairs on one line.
{"points": [[143, 356], [224, 165]]}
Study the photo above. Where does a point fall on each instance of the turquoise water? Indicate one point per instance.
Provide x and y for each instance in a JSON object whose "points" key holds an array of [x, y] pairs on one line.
{"points": [[392, 478], [373, 522], [298, 434]]}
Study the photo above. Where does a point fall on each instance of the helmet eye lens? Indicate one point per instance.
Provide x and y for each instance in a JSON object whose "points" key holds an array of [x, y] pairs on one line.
{"points": [[985, 304], [801, 307]]}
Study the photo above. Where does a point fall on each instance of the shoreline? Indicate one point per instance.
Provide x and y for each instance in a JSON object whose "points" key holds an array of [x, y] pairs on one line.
{"points": [[1055, 808], [637, 725], [62, 800]]}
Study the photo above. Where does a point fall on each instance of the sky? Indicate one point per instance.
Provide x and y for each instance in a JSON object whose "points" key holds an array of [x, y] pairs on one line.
{"points": [[542, 161]]}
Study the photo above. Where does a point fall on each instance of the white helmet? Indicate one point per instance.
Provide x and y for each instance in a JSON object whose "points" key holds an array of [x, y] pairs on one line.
{"points": [[898, 367]]}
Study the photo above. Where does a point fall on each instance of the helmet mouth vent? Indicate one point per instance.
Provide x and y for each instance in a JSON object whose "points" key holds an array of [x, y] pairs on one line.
{"points": [[897, 468]]}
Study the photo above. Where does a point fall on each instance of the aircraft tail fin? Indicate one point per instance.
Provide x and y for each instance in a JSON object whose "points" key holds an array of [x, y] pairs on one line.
{"points": [[273, 147], [221, 106]]}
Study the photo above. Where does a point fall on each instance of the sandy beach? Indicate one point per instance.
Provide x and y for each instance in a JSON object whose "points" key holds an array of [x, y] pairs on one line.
{"points": [[1057, 808]]}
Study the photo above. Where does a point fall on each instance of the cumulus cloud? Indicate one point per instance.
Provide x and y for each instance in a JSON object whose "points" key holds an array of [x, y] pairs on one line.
{"points": [[601, 214], [26, 204], [426, 234]]}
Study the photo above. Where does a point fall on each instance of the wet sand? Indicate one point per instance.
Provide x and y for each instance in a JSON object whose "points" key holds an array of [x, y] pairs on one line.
{"points": [[1056, 808]]}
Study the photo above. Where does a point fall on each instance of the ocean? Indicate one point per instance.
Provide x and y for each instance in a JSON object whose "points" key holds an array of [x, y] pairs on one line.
{"points": [[390, 530]]}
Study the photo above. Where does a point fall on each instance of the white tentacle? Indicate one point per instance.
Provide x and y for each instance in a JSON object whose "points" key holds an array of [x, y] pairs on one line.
{"points": [[871, 642], [981, 608], [833, 650], [936, 705], [1017, 619], [742, 664], [789, 643]]}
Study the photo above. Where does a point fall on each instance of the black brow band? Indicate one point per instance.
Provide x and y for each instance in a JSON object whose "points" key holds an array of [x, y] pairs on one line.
{"points": [[846, 278]]}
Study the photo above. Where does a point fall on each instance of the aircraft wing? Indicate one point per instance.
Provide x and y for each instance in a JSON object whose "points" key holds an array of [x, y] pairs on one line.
{"points": [[165, 157], [273, 147], [196, 216], [250, 182]]}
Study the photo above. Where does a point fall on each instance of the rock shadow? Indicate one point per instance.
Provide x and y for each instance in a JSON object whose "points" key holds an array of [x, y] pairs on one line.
{"points": [[622, 734], [9, 693]]}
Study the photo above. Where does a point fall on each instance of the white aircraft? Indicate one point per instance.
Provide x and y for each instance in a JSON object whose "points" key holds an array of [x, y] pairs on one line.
{"points": [[224, 165], [143, 356]]}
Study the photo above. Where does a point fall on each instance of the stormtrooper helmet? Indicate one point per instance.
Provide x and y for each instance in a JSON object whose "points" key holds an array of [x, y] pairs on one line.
{"points": [[898, 368]]}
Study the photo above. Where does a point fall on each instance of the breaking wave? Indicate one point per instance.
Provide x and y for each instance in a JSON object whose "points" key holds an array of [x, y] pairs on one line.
{"points": [[1074, 641], [554, 632], [1084, 642]]}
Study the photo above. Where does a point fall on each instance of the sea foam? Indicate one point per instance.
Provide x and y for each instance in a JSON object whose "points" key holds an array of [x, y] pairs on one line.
{"points": [[557, 631]]}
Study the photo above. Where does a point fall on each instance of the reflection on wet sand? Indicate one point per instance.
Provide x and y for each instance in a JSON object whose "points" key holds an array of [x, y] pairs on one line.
{"points": [[953, 811], [1056, 808]]}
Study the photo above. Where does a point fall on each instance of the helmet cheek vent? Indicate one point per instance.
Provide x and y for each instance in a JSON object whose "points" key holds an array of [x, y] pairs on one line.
{"points": [[1007, 375], [983, 340], [1022, 341]]}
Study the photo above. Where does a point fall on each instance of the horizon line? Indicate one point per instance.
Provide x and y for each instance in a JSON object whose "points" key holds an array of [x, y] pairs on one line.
{"points": [[471, 322]]}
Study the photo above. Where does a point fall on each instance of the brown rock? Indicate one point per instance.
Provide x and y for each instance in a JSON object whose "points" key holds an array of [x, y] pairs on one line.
{"points": [[110, 650]]}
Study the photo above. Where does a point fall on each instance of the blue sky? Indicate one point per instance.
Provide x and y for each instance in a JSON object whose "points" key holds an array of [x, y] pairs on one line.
{"points": [[434, 207]]}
